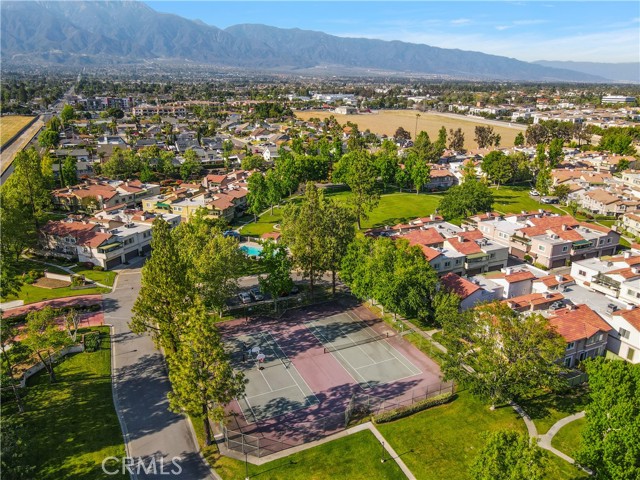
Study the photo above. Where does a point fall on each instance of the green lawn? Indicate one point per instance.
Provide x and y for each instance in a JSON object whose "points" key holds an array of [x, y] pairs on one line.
{"points": [[568, 440], [264, 224], [547, 409], [559, 469], [443, 441], [354, 457], [516, 199], [70, 426], [31, 294], [104, 277]]}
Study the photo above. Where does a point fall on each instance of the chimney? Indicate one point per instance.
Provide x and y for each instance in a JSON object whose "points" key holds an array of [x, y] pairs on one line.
{"points": [[627, 254], [488, 214], [523, 212], [571, 307], [460, 238], [564, 227], [630, 306], [432, 216], [541, 210], [508, 271], [635, 269], [559, 278]]}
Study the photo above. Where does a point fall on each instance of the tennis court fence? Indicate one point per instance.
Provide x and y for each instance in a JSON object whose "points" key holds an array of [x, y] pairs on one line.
{"points": [[360, 406], [260, 445]]}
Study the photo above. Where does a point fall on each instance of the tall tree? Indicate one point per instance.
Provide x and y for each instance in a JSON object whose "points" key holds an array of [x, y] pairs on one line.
{"points": [[498, 167], [43, 337], [486, 137], [49, 139], [422, 147], [70, 171], [27, 186], [277, 265], [257, 199], [165, 291], [457, 140], [501, 354], [67, 114], [387, 162], [287, 172], [509, 455], [555, 153], [467, 199], [401, 134], [339, 232], [274, 188], [357, 169], [611, 437], [303, 231], [202, 380], [191, 164], [519, 140], [418, 170]]}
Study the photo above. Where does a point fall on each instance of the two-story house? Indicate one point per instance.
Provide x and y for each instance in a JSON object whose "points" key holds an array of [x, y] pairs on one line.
{"points": [[585, 332], [624, 339]]}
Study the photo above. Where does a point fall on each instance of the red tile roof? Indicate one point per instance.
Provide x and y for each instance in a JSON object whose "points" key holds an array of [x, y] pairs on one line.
{"points": [[460, 286], [535, 299], [631, 316], [430, 236], [579, 323], [97, 239], [468, 247], [551, 281]]}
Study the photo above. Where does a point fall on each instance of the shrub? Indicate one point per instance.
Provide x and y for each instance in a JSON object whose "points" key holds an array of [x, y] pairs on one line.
{"points": [[98, 268], [91, 341], [540, 266], [32, 275], [402, 412], [528, 258], [77, 280]]}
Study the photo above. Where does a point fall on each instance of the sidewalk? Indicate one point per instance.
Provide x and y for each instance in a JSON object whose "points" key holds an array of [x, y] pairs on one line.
{"points": [[79, 301]]}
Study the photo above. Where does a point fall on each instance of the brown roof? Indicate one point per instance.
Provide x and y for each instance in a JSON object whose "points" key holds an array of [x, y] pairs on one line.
{"points": [[593, 226], [552, 281], [429, 252], [430, 236], [273, 235], [535, 299], [96, 239], [631, 316], [460, 286], [578, 323], [79, 230], [467, 247], [512, 277]]}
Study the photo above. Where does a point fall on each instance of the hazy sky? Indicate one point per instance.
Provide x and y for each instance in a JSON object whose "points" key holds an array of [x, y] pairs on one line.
{"points": [[535, 30]]}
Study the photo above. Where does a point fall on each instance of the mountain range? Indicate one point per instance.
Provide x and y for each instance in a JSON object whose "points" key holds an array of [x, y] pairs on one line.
{"points": [[92, 33]]}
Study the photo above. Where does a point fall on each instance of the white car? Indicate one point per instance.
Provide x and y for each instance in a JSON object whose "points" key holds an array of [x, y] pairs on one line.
{"points": [[244, 297], [534, 193]]}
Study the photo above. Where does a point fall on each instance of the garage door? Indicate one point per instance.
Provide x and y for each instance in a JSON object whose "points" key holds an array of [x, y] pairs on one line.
{"points": [[114, 262], [146, 248], [130, 255]]}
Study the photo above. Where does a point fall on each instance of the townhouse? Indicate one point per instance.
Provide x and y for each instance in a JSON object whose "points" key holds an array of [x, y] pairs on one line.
{"points": [[470, 293], [100, 194], [585, 332], [624, 338]]}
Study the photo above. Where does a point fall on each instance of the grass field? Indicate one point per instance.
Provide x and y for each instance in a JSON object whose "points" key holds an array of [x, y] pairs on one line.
{"points": [[32, 294], [10, 125], [547, 409], [443, 441], [70, 426], [397, 208], [569, 439], [354, 457], [386, 122]]}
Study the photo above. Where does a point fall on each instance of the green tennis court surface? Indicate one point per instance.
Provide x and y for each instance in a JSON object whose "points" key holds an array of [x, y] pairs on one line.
{"points": [[368, 356], [274, 385]]}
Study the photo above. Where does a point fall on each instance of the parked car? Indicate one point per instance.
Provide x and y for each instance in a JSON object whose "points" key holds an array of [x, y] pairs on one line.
{"points": [[534, 193], [244, 297], [256, 294], [549, 200]]}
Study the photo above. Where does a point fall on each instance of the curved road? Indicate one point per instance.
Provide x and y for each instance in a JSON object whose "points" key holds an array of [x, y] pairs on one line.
{"points": [[140, 393]]}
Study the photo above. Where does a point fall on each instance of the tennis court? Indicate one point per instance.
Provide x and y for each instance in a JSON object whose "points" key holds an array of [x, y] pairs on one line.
{"points": [[367, 356], [274, 385]]}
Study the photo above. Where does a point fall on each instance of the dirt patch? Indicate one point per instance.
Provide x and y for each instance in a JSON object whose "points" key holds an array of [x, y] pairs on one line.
{"points": [[50, 283], [386, 122]]}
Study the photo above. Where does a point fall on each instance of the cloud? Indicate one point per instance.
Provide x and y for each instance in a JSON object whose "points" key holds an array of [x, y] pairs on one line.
{"points": [[503, 27], [461, 21]]}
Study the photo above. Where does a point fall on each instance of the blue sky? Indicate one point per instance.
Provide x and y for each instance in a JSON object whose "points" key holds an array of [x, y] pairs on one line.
{"points": [[534, 30]]}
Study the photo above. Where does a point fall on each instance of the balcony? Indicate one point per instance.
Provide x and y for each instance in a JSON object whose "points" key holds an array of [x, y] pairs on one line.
{"points": [[603, 284], [522, 240], [109, 248]]}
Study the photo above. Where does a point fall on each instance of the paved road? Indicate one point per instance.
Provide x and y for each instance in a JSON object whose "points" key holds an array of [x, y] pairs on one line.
{"points": [[141, 387]]}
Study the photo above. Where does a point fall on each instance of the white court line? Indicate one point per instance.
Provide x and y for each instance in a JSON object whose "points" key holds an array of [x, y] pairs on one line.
{"points": [[274, 391], [255, 418], [392, 350], [304, 395]]}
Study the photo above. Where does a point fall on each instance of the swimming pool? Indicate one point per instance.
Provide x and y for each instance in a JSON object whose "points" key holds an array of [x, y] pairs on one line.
{"points": [[251, 250]]}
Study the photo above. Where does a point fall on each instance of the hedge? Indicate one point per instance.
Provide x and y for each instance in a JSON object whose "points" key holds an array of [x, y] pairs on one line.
{"points": [[402, 412], [96, 307], [91, 341]]}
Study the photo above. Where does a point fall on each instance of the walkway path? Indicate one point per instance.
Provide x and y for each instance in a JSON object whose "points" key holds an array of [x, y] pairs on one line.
{"points": [[140, 388], [344, 433], [544, 441], [68, 270]]}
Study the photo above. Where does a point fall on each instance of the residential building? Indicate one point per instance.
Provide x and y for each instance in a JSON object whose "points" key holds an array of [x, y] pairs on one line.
{"points": [[470, 293], [534, 301], [585, 332], [617, 99], [98, 194], [630, 223], [513, 282], [624, 339]]}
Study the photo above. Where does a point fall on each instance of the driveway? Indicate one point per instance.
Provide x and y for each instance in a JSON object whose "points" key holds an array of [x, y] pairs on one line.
{"points": [[141, 386]]}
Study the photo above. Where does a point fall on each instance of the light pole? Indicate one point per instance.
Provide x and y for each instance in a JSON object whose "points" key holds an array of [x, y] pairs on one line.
{"points": [[246, 467], [382, 453], [415, 130]]}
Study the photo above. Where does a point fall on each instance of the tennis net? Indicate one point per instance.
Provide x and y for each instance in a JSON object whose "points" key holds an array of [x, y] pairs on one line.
{"points": [[375, 338]]}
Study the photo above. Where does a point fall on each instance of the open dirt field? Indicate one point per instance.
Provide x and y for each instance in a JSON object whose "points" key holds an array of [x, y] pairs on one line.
{"points": [[10, 125], [51, 283], [386, 122]]}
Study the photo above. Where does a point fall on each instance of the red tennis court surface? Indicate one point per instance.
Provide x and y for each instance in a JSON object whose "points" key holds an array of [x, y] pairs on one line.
{"points": [[339, 349]]}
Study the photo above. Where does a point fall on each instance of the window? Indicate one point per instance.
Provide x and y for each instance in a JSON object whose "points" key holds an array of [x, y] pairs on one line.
{"points": [[570, 345], [582, 273], [608, 240], [624, 333], [565, 248], [541, 248], [436, 266], [447, 264], [601, 241], [630, 353], [492, 255], [583, 355], [567, 362]]}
